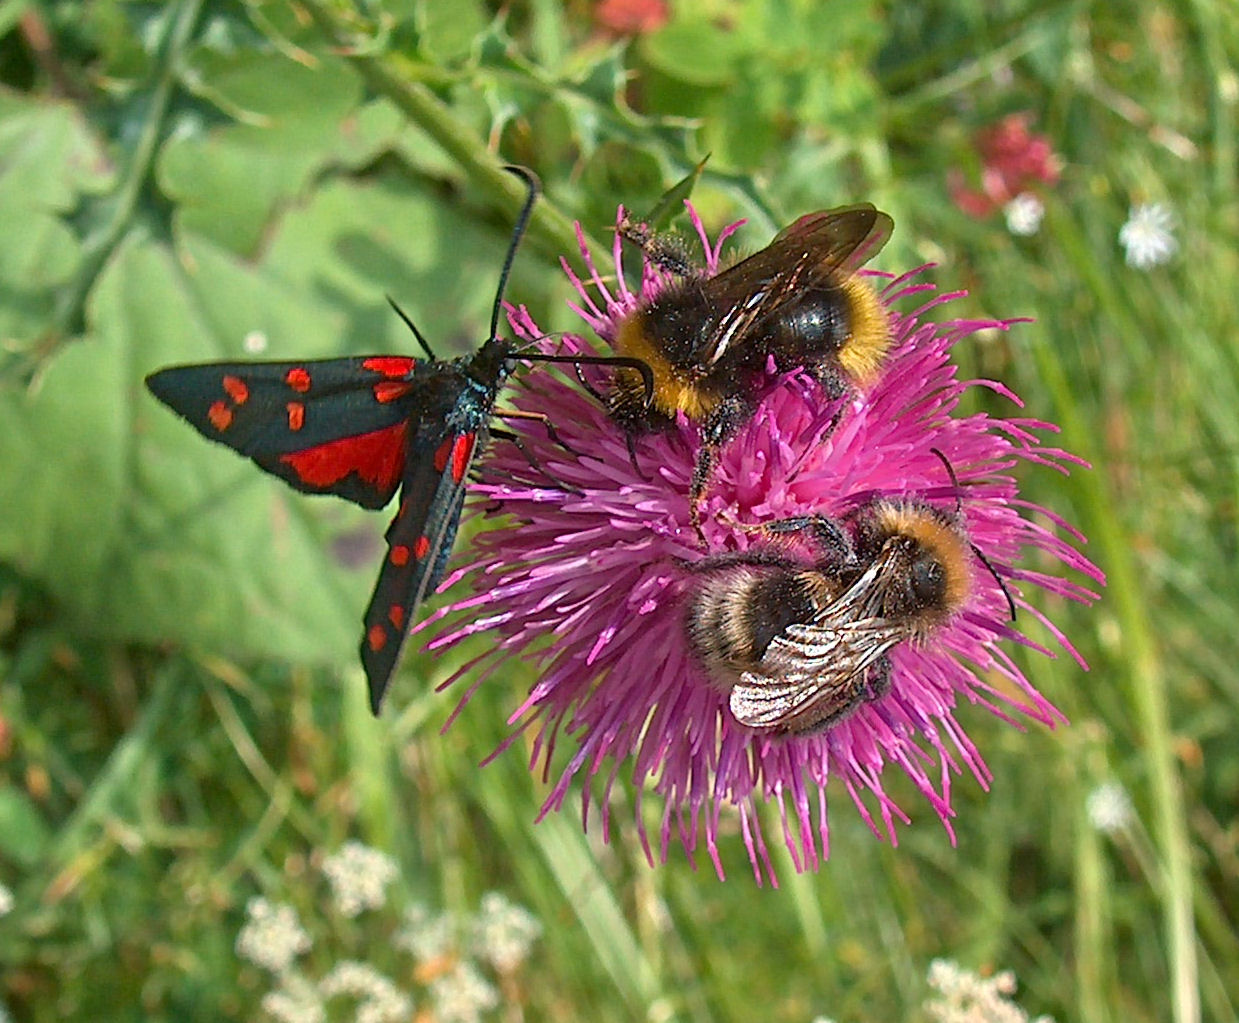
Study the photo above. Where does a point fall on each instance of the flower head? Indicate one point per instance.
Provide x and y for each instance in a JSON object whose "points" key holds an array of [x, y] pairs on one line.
{"points": [[1148, 236], [1109, 808], [1014, 160], [378, 999], [1024, 214], [359, 876], [967, 997], [272, 936], [462, 995], [503, 933], [592, 581]]}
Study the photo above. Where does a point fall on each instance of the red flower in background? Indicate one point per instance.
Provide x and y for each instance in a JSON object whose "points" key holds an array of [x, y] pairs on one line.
{"points": [[631, 17], [1014, 160]]}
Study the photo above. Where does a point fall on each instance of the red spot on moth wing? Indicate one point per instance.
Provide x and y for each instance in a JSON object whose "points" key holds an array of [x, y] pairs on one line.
{"points": [[298, 378], [421, 547], [296, 415], [386, 391], [220, 415], [390, 365], [441, 454], [236, 389], [462, 451], [376, 637], [399, 554], [376, 457], [395, 614]]}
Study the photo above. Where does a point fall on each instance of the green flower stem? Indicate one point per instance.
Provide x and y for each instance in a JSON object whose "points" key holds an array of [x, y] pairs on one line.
{"points": [[1146, 678], [458, 140]]}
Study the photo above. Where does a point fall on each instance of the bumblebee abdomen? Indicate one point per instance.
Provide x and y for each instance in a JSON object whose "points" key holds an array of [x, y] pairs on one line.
{"points": [[739, 611]]}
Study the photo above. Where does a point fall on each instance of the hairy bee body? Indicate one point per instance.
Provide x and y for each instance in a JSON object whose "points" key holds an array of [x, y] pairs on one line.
{"points": [[709, 340], [800, 648]]}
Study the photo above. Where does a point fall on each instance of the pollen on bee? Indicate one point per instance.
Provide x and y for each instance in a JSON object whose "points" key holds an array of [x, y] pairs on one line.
{"points": [[296, 415], [298, 378], [236, 389], [376, 638], [220, 415], [400, 554]]}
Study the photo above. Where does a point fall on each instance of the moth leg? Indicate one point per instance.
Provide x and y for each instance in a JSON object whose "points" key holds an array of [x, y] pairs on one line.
{"points": [[534, 463], [542, 418]]}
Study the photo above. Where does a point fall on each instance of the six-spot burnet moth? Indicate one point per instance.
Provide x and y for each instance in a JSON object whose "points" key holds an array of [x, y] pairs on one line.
{"points": [[363, 428]]}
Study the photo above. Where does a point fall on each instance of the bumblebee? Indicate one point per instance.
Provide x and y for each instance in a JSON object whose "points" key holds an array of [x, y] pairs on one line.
{"points": [[708, 340], [800, 648]]}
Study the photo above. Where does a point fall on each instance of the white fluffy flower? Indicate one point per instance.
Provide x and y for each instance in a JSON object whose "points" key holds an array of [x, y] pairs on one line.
{"points": [[359, 877], [272, 936], [1109, 808], [462, 995], [504, 932], [1148, 236], [379, 1000], [1024, 214]]}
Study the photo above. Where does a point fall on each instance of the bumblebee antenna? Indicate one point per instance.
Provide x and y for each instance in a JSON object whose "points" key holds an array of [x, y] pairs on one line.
{"points": [[959, 507], [518, 232]]}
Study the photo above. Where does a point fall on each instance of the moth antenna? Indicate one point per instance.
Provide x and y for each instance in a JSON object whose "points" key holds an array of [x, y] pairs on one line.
{"points": [[408, 322], [518, 232]]}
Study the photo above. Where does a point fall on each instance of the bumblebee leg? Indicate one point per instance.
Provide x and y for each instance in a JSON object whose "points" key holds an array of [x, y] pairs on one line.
{"points": [[826, 532], [879, 682], [668, 252]]}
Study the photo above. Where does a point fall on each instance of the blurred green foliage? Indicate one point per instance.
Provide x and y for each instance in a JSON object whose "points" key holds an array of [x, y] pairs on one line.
{"points": [[182, 725]]}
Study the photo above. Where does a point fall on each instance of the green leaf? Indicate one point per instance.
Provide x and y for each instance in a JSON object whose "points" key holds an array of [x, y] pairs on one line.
{"points": [[697, 52], [23, 833], [230, 181], [49, 158]]}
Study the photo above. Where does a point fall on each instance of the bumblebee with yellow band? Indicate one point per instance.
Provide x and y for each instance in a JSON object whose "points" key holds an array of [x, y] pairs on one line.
{"points": [[709, 340]]}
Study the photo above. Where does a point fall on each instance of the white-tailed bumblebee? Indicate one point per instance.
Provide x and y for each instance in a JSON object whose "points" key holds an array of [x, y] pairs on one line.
{"points": [[800, 648], [708, 340]]}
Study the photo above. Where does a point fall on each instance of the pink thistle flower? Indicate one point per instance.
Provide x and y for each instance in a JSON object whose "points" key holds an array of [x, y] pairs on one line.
{"points": [[590, 583], [1014, 161]]}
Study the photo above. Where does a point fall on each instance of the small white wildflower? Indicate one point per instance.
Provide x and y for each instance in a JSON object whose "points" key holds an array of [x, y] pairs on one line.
{"points": [[426, 936], [272, 936], [1148, 236], [379, 1000], [255, 342], [1024, 214], [6, 901], [294, 1001], [462, 995], [1109, 808], [970, 998], [504, 932], [359, 877], [822, 1019]]}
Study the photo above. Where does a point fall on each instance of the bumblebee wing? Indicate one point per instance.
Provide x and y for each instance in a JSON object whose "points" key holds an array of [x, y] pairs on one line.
{"points": [[818, 671], [809, 252], [419, 542], [817, 675]]}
